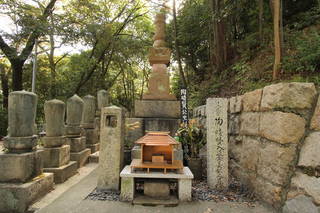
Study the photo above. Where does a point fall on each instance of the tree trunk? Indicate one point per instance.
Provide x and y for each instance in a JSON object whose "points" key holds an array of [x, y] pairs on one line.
{"points": [[176, 44], [277, 39], [17, 66], [5, 87]]}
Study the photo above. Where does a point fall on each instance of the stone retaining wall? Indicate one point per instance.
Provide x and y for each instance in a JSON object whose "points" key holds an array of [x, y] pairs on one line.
{"points": [[274, 143]]}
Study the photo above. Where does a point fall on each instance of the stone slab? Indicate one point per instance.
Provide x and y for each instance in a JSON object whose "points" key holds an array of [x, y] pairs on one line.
{"points": [[93, 147], [300, 204], [62, 173], [149, 201], [309, 155], [157, 109], [186, 174], [20, 167], [76, 144], [156, 189], [81, 157], [162, 124], [56, 157], [217, 143], [17, 197]]}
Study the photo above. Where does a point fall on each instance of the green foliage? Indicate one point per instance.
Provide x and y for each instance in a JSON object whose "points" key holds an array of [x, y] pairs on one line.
{"points": [[192, 136]]}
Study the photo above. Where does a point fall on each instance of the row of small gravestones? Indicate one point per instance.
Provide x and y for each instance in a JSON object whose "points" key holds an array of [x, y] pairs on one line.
{"points": [[22, 112]]}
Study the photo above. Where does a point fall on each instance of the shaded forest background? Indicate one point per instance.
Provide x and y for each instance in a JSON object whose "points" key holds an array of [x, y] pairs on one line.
{"points": [[225, 47]]}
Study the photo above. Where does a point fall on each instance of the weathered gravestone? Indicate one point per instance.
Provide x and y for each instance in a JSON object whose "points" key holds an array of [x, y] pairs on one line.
{"points": [[217, 143], [56, 155], [22, 180], [88, 123], [77, 142], [111, 148]]}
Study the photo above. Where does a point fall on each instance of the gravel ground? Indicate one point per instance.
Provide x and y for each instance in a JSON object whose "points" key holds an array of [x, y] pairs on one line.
{"points": [[235, 193], [104, 195], [200, 191]]}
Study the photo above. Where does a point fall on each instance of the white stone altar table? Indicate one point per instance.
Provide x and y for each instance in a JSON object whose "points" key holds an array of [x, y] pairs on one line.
{"points": [[128, 182]]}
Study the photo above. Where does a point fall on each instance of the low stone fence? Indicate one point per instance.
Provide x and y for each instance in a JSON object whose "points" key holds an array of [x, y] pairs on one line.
{"points": [[274, 143]]}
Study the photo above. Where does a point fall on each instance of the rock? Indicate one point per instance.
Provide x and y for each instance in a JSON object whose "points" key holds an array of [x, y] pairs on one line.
{"points": [[309, 155], [282, 127], [234, 124], [250, 153], [307, 184], [268, 192], [74, 110], [235, 148], [300, 204], [156, 189], [315, 121], [54, 111], [21, 114], [288, 95], [235, 104], [251, 101], [249, 123], [275, 162], [89, 111]]}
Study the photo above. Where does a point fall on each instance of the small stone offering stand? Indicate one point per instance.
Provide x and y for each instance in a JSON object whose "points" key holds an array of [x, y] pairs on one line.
{"points": [[156, 153]]}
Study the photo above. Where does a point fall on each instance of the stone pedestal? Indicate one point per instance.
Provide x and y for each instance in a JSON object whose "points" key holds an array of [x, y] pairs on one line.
{"points": [[217, 143], [112, 147], [78, 150], [56, 155], [22, 180], [157, 109]]}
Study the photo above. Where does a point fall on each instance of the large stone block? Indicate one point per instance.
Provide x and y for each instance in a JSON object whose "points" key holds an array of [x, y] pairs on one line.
{"points": [[184, 189], [251, 101], [275, 162], [91, 136], [16, 198], [282, 127], [156, 189], [61, 174], [268, 192], [235, 147], [20, 167], [234, 124], [310, 185], [309, 155], [217, 143], [76, 144], [315, 121], [157, 109], [288, 95], [162, 124], [250, 154], [135, 130], [56, 157], [300, 204], [250, 123], [81, 157]]}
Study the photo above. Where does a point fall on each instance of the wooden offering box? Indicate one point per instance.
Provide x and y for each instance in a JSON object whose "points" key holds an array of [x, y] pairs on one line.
{"points": [[157, 152]]}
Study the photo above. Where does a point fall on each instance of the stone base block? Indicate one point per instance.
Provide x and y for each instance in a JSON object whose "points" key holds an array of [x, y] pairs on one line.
{"points": [[127, 189], [62, 173], [94, 158], [93, 147], [162, 124], [20, 144], [91, 136], [157, 189], [56, 157], [73, 131], [184, 189], [157, 109], [16, 198], [50, 142], [76, 144], [20, 167], [80, 157]]}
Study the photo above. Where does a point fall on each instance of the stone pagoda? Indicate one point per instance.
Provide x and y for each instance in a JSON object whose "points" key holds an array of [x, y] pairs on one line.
{"points": [[159, 110]]}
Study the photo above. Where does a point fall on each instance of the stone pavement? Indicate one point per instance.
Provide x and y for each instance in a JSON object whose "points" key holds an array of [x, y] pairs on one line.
{"points": [[73, 201]]}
